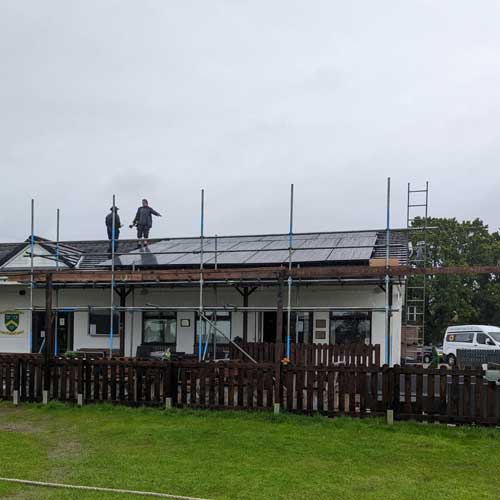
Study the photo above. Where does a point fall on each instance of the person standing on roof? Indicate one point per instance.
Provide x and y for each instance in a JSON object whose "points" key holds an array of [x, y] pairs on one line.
{"points": [[144, 220], [109, 225]]}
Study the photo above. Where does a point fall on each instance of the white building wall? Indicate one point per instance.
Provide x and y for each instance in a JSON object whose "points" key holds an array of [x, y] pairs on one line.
{"points": [[304, 296], [10, 300]]}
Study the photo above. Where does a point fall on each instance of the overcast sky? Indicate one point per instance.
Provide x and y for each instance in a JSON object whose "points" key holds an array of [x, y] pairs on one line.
{"points": [[158, 99]]}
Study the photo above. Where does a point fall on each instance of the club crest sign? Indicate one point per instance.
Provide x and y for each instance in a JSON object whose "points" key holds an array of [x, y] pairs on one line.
{"points": [[10, 323]]}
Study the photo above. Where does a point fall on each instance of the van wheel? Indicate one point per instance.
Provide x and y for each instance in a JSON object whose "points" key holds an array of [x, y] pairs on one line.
{"points": [[427, 358], [451, 360]]}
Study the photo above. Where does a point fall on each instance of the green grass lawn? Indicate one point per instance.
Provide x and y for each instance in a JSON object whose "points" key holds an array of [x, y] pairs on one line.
{"points": [[233, 455]]}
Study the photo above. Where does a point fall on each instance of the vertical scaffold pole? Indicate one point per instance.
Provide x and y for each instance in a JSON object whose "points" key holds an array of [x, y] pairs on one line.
{"points": [[215, 249], [388, 345], [32, 251], [290, 251], [112, 293], [202, 221], [56, 348]]}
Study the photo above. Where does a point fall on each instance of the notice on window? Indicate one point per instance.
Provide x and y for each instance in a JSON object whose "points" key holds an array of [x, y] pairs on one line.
{"points": [[93, 329]]}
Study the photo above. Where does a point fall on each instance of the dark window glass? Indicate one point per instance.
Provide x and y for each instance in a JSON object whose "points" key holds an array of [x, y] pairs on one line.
{"points": [[301, 327], [349, 328], [99, 322], [481, 338], [159, 328]]}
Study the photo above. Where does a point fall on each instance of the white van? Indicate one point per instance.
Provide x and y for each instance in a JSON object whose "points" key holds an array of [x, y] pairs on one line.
{"points": [[469, 337]]}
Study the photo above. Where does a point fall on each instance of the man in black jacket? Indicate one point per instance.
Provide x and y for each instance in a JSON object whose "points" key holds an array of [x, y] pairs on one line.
{"points": [[109, 226], [143, 220]]}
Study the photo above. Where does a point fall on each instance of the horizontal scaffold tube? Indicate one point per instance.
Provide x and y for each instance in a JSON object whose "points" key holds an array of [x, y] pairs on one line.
{"points": [[228, 307], [225, 282]]}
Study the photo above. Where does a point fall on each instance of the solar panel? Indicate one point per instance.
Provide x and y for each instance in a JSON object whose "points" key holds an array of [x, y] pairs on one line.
{"points": [[248, 250], [354, 247]]}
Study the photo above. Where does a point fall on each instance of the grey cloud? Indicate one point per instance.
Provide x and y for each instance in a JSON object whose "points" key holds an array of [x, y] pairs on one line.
{"points": [[159, 99]]}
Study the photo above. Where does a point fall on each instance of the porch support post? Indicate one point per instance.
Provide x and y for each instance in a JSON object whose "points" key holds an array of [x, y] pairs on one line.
{"points": [[123, 303], [123, 294], [279, 313], [245, 314], [49, 341], [245, 293]]}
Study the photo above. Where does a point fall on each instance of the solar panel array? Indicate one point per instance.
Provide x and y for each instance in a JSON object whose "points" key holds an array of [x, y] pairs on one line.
{"points": [[254, 250]]}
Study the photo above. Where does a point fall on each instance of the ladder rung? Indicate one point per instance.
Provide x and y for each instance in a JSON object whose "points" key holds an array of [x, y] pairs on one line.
{"points": [[417, 191], [417, 205]]}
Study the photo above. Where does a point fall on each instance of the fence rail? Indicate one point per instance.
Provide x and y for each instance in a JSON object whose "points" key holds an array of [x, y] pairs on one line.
{"points": [[445, 395], [311, 354]]}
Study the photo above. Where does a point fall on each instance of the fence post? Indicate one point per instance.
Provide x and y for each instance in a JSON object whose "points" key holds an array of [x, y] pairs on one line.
{"points": [[80, 383], [392, 386], [389, 417], [168, 386], [15, 392], [377, 355], [277, 387]]}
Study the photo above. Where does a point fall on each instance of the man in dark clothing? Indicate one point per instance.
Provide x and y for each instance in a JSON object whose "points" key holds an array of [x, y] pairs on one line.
{"points": [[144, 220], [109, 225]]}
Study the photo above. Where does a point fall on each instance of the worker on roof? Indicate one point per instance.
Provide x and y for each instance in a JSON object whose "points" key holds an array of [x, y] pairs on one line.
{"points": [[143, 221], [109, 225]]}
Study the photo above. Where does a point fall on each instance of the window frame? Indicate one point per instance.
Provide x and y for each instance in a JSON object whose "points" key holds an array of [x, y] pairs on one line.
{"points": [[147, 315], [116, 323], [335, 316], [218, 344]]}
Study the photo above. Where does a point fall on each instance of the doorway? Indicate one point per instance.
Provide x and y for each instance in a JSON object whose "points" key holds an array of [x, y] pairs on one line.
{"points": [[63, 334], [269, 326], [300, 327]]}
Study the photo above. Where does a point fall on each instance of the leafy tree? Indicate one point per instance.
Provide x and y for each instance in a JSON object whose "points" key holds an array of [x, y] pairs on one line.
{"points": [[459, 299]]}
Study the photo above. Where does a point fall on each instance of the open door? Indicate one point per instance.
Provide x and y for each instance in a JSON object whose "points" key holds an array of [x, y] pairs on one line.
{"points": [[38, 332]]}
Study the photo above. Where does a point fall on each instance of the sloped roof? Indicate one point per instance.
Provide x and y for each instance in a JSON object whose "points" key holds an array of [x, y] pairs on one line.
{"points": [[65, 254], [329, 248]]}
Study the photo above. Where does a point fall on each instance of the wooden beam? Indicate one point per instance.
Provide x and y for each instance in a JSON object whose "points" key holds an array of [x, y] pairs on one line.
{"points": [[255, 273]]}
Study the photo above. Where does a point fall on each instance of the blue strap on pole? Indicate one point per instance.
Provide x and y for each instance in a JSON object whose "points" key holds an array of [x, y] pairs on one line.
{"points": [[199, 343], [205, 349], [111, 331]]}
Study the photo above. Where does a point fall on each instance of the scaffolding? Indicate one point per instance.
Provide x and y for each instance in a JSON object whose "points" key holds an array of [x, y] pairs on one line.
{"points": [[202, 309]]}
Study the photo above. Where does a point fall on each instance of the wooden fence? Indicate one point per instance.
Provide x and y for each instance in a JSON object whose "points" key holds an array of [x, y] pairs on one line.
{"points": [[445, 395], [310, 354]]}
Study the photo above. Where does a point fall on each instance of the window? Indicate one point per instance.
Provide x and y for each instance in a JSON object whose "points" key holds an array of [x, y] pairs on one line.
{"points": [[99, 322], [223, 322], [481, 338], [412, 313], [466, 337], [495, 335], [350, 328], [159, 328], [302, 321]]}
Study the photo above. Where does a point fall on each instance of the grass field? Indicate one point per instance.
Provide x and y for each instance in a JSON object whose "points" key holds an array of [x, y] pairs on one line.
{"points": [[235, 455]]}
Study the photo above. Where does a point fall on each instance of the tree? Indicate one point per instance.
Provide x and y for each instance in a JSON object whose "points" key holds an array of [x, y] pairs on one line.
{"points": [[456, 299]]}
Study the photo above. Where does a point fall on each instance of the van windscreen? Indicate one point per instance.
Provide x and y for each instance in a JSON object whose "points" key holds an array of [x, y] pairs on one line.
{"points": [[495, 336]]}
